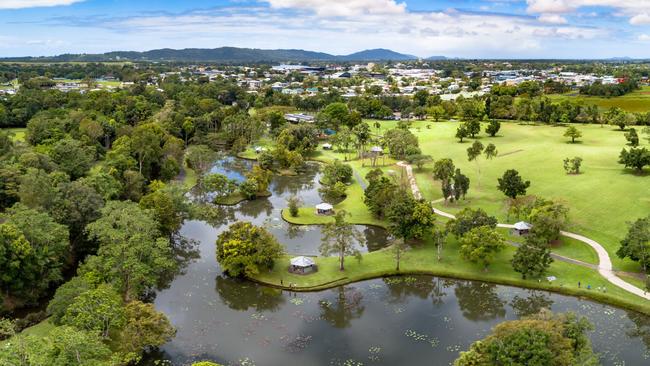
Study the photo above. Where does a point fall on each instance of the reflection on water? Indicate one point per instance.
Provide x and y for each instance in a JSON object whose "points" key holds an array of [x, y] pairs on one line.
{"points": [[416, 320]]}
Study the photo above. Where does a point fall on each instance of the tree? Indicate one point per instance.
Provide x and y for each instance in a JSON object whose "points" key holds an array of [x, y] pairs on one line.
{"points": [[462, 132], [245, 248], [266, 160], [169, 208], [362, 134], [98, 310], [436, 112], [493, 127], [636, 244], [439, 237], [249, 188], [132, 254], [337, 171], [144, 327], [469, 219], [419, 160], [473, 153], [636, 158], [408, 218], [461, 185], [443, 169], [532, 258], [218, 184], [632, 137], [573, 133], [480, 244], [398, 247], [338, 238], [512, 185], [490, 152], [401, 142], [33, 250], [473, 127], [72, 157], [543, 339], [65, 295], [62, 346], [622, 120], [379, 193], [572, 166], [293, 203], [548, 219], [200, 158], [261, 177]]}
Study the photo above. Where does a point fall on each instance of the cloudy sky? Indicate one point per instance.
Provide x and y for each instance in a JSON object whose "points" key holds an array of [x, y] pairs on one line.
{"points": [[455, 28]]}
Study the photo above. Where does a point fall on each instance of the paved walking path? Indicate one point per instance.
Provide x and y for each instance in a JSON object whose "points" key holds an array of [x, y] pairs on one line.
{"points": [[605, 263]]}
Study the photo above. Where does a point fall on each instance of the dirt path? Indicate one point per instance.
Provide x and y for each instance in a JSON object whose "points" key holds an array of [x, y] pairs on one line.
{"points": [[605, 263]]}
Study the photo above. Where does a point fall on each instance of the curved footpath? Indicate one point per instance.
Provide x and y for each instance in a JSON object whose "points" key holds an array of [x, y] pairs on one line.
{"points": [[605, 263]]}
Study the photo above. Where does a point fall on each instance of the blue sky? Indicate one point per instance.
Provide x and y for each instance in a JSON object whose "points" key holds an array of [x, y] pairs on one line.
{"points": [[460, 28]]}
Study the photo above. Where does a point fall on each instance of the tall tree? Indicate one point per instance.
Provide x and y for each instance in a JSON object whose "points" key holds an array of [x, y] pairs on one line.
{"points": [[636, 244], [533, 257], [473, 154], [339, 237], [244, 249], [132, 254]]}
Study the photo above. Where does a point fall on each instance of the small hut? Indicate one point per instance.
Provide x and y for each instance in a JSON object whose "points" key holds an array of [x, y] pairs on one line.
{"points": [[375, 153], [302, 264], [522, 228], [324, 209], [327, 146], [259, 149]]}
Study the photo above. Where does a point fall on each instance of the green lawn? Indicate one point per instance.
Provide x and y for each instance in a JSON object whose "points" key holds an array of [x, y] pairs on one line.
{"points": [[18, 133], [422, 259], [602, 199], [637, 101], [39, 330]]}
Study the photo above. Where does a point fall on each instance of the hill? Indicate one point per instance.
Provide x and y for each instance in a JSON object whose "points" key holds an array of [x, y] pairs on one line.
{"points": [[221, 55]]}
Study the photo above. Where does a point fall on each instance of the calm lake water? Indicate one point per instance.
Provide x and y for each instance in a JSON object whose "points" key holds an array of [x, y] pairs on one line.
{"points": [[415, 320]]}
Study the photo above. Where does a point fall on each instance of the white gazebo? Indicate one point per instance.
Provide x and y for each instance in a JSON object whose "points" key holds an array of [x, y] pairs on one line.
{"points": [[376, 149], [522, 228], [324, 209], [300, 264], [259, 149], [327, 146]]}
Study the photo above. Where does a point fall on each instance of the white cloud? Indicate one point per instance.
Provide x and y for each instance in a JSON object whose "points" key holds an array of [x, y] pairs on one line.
{"points": [[342, 7], [361, 26], [637, 10], [640, 19], [21, 4], [552, 19], [643, 37]]}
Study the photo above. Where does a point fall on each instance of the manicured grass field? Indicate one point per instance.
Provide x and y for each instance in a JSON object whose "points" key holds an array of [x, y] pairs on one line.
{"points": [[602, 200], [637, 101]]}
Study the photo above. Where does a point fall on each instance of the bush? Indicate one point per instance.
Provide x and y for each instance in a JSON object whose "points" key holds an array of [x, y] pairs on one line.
{"points": [[294, 204]]}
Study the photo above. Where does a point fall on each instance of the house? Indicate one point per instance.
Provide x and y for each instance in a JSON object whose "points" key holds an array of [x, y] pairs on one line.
{"points": [[299, 117], [522, 228], [324, 209]]}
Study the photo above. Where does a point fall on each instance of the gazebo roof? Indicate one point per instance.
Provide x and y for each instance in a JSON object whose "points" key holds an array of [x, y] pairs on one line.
{"points": [[327, 145], [324, 207], [376, 149], [521, 225], [302, 262]]}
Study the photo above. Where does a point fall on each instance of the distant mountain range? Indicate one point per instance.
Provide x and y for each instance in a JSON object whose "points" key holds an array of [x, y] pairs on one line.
{"points": [[227, 55]]}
